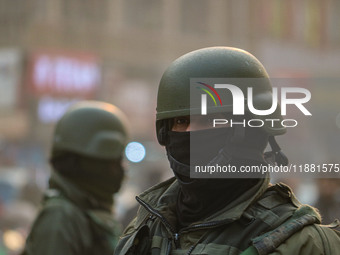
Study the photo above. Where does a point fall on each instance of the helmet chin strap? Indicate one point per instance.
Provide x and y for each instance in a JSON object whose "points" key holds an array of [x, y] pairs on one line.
{"points": [[238, 135], [276, 154]]}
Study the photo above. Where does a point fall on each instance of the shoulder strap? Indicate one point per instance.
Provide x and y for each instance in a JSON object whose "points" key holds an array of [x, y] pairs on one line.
{"points": [[270, 241], [292, 217]]}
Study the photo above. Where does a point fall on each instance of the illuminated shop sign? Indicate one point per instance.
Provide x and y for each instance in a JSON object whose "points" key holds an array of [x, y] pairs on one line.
{"points": [[64, 74], [51, 109]]}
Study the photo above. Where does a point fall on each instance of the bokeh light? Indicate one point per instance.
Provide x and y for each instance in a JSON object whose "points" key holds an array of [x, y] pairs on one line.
{"points": [[135, 152]]}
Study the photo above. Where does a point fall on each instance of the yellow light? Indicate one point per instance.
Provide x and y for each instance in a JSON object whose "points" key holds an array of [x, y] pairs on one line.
{"points": [[13, 240]]}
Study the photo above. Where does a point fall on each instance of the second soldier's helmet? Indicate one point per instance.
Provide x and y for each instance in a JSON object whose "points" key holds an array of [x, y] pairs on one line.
{"points": [[215, 62], [91, 128]]}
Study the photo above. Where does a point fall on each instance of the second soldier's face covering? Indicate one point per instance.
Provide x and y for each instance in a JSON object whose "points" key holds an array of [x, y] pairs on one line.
{"points": [[104, 176], [98, 177]]}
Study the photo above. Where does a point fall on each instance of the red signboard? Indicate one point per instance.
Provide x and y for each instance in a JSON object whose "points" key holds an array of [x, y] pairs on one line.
{"points": [[64, 74]]}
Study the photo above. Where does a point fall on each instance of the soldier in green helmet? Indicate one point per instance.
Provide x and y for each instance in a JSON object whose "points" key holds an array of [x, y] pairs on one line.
{"points": [[86, 157], [185, 215]]}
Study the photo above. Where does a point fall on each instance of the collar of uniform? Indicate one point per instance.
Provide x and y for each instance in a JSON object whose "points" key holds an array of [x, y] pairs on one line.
{"points": [[236, 208], [162, 197], [74, 194]]}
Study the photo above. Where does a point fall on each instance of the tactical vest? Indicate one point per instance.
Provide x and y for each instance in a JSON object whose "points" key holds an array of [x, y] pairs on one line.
{"points": [[277, 209]]}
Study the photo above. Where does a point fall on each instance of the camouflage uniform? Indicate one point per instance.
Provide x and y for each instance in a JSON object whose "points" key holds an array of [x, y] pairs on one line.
{"points": [[268, 217]]}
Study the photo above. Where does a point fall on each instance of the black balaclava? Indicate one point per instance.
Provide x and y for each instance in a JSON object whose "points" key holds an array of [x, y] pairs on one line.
{"points": [[100, 178], [199, 198]]}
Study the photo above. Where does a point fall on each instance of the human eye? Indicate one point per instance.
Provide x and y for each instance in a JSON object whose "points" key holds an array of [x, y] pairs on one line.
{"points": [[181, 123]]}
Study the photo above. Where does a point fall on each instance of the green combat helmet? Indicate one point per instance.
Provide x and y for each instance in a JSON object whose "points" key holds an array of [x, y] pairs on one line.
{"points": [[214, 62], [91, 128]]}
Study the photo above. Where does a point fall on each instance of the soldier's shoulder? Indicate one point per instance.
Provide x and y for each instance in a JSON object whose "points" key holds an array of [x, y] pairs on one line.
{"points": [[58, 218], [57, 207], [312, 239]]}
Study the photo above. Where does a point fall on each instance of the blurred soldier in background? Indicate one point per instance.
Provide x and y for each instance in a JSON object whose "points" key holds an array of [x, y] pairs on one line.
{"points": [[328, 201], [86, 157], [220, 216]]}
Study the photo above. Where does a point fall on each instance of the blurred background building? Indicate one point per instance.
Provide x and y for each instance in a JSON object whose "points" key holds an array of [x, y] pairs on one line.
{"points": [[55, 52]]}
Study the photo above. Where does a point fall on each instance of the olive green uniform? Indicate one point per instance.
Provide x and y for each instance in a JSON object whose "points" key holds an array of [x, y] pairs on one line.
{"points": [[72, 222], [263, 218], [245, 222]]}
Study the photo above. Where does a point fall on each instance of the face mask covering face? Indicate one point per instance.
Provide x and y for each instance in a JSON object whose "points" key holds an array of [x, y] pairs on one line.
{"points": [[205, 145], [199, 198]]}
